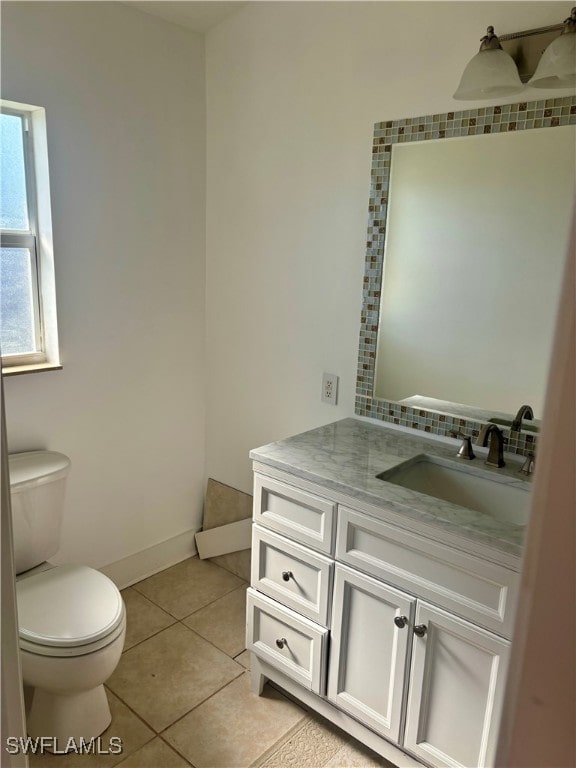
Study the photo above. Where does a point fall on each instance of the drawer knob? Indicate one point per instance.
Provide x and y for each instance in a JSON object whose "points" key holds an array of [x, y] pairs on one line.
{"points": [[281, 642], [420, 630], [287, 575], [400, 621]]}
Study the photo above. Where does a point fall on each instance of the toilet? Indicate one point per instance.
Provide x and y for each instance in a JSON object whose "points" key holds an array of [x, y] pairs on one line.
{"points": [[71, 618]]}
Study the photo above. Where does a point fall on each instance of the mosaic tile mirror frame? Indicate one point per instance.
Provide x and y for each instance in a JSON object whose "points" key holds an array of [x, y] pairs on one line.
{"points": [[471, 122]]}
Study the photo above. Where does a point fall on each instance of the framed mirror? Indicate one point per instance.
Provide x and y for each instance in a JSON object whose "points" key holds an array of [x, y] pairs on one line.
{"points": [[468, 227]]}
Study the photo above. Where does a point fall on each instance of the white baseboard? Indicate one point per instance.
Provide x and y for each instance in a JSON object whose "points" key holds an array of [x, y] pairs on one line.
{"points": [[149, 561]]}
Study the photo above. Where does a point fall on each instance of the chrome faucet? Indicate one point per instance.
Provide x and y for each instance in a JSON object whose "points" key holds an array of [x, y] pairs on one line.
{"points": [[495, 456], [524, 412]]}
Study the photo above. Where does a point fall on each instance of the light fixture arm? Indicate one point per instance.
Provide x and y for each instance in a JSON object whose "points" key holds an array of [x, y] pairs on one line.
{"points": [[490, 41], [569, 25]]}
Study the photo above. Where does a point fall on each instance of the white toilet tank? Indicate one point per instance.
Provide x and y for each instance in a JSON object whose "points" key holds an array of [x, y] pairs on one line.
{"points": [[37, 484]]}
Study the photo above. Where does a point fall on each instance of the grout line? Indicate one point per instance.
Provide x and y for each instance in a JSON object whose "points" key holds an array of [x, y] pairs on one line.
{"points": [[244, 671], [146, 723], [154, 634], [232, 658], [147, 599], [241, 669], [175, 749], [126, 755], [205, 639], [235, 658], [188, 615], [135, 645], [210, 602]]}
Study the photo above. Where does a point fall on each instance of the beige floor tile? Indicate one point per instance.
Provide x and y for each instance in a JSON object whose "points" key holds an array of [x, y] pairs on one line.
{"points": [[244, 659], [143, 618], [236, 562], [234, 727], [165, 676], [188, 586], [125, 725], [223, 622], [156, 754]]}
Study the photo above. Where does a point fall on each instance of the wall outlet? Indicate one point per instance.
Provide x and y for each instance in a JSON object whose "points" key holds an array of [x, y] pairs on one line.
{"points": [[329, 388]]}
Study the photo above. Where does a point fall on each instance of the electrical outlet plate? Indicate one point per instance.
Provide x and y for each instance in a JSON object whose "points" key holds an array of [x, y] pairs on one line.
{"points": [[329, 388]]}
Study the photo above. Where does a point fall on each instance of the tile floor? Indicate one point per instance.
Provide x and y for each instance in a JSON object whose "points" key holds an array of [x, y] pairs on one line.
{"points": [[180, 696]]}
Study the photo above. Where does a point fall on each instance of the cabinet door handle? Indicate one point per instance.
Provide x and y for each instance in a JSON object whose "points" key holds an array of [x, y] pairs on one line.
{"points": [[420, 630], [287, 575], [400, 621], [281, 642]]}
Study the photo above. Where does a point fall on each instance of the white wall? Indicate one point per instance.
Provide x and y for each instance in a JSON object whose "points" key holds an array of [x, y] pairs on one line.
{"points": [[124, 95], [293, 91]]}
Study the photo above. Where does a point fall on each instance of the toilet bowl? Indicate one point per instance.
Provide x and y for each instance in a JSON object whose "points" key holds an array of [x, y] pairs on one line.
{"points": [[71, 618]]}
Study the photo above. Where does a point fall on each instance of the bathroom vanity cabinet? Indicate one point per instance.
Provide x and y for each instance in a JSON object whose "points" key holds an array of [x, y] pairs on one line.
{"points": [[395, 635]]}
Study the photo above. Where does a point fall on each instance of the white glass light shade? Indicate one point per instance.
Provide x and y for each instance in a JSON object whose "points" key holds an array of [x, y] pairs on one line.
{"points": [[557, 67], [490, 74]]}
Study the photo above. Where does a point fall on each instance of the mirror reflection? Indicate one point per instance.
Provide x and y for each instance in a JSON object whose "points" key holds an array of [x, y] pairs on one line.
{"points": [[476, 237]]}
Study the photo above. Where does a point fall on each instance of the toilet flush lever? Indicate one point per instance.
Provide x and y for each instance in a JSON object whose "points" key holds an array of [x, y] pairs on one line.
{"points": [[287, 575]]}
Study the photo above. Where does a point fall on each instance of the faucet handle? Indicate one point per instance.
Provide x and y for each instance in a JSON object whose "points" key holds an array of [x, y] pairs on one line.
{"points": [[465, 451], [528, 467]]}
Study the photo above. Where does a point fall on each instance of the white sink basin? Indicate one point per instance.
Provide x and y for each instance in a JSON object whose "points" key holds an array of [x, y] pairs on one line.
{"points": [[506, 501]]}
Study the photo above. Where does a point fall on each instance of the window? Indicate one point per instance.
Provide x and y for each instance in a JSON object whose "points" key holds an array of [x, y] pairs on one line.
{"points": [[28, 333]]}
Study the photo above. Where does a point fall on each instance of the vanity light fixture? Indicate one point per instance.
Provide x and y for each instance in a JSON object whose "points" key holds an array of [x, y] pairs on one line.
{"points": [[503, 64], [557, 67], [490, 74]]}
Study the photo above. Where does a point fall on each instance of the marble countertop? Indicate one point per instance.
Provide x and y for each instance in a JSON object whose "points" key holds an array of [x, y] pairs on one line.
{"points": [[346, 456]]}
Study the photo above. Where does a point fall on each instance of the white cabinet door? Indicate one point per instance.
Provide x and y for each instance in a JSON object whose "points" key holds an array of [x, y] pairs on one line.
{"points": [[369, 650], [455, 693]]}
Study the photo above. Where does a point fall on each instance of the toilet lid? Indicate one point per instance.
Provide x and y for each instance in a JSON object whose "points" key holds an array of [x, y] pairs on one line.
{"points": [[68, 605], [35, 468]]}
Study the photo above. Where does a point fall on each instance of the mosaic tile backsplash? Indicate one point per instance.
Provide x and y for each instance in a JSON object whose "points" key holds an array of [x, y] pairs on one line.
{"points": [[470, 122]]}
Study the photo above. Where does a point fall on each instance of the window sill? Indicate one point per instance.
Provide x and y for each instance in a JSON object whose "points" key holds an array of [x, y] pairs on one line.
{"points": [[17, 370]]}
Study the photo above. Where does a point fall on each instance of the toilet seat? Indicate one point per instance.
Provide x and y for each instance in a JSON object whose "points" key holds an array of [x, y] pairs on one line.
{"points": [[68, 610]]}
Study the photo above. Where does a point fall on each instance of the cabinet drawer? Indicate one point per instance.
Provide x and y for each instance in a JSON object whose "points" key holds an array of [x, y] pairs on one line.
{"points": [[294, 645], [473, 588], [291, 574], [301, 516]]}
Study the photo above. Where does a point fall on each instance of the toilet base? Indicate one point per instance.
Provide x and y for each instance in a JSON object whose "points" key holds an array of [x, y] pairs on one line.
{"points": [[69, 718]]}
